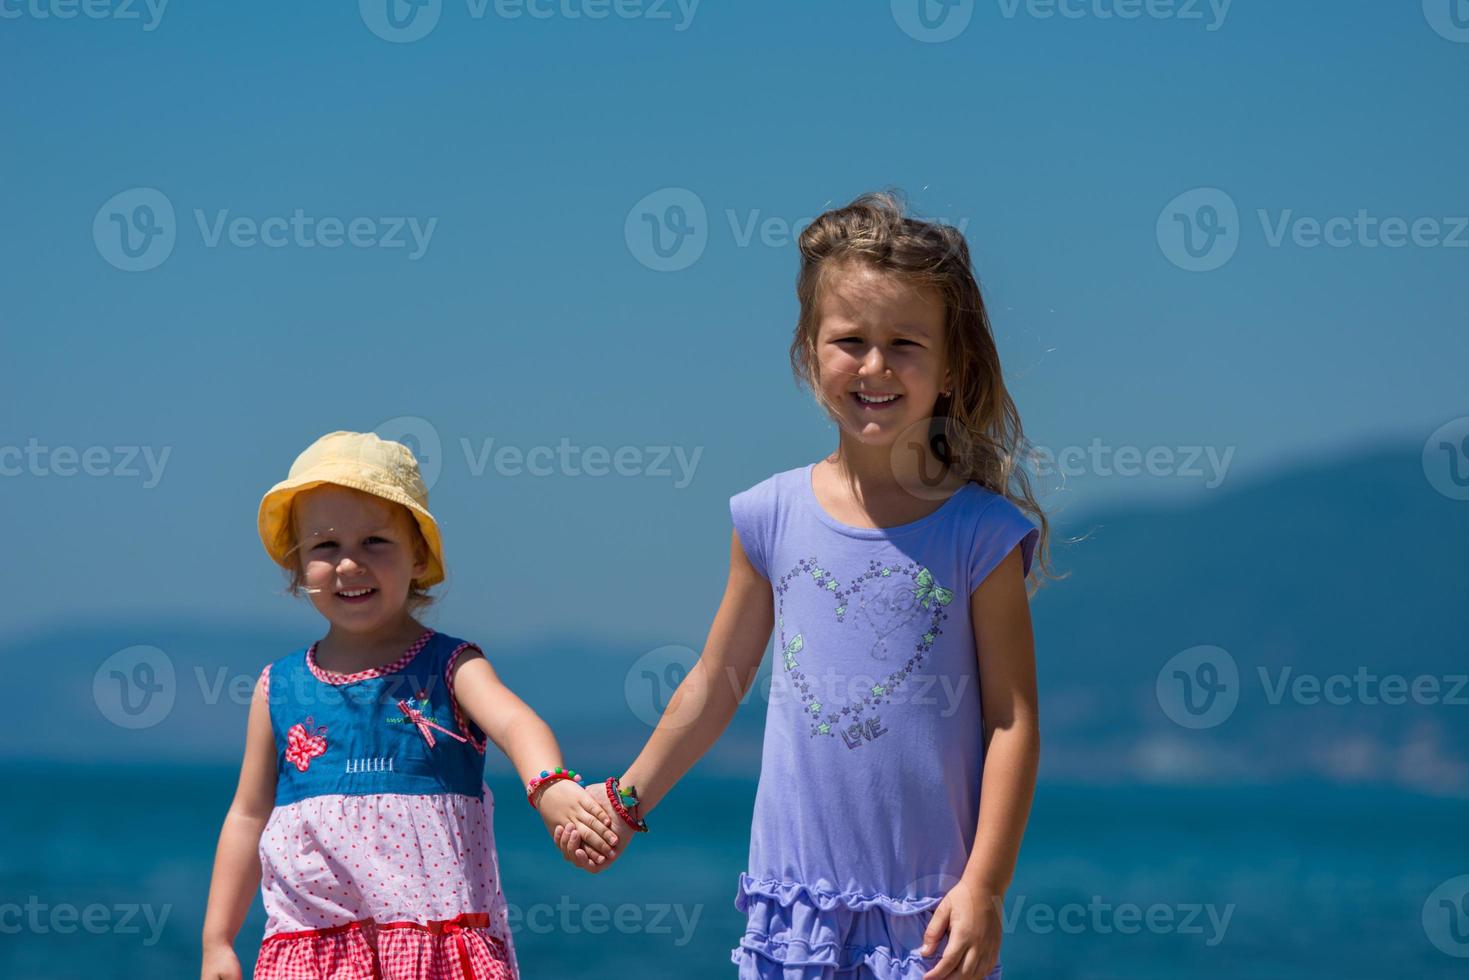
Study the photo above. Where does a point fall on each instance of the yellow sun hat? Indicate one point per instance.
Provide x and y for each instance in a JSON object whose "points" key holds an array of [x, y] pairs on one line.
{"points": [[361, 461]]}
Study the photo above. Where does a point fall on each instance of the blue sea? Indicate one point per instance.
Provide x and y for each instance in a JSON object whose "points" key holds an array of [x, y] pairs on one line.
{"points": [[103, 873]]}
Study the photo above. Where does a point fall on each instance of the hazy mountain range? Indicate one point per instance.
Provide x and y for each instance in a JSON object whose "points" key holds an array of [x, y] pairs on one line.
{"points": [[1325, 579]]}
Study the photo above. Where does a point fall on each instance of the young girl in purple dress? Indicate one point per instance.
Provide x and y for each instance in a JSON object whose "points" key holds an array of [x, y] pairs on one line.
{"points": [[892, 576]]}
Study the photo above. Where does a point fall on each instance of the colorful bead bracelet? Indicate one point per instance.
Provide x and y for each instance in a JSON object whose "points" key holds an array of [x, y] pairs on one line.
{"points": [[614, 796], [546, 778]]}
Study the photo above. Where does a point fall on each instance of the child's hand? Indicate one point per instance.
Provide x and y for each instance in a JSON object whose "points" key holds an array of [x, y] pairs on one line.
{"points": [[569, 839], [971, 917], [564, 802], [220, 963]]}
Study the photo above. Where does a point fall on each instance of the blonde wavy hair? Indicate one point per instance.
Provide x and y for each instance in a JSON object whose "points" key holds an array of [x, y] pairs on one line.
{"points": [[976, 429]]}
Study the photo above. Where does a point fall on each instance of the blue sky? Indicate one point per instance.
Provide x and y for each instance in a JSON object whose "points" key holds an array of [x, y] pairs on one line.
{"points": [[525, 150]]}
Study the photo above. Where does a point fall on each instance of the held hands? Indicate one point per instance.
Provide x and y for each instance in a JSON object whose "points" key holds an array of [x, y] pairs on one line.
{"points": [[578, 850], [563, 804], [970, 914]]}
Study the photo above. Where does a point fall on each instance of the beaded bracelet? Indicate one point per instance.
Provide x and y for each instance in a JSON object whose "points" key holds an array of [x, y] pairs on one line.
{"points": [[614, 792], [546, 778]]}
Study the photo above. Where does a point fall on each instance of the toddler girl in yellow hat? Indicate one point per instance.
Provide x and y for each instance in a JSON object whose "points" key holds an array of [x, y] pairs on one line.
{"points": [[361, 809]]}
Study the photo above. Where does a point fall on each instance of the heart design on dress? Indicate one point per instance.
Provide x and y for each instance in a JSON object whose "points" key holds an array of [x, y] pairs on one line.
{"points": [[304, 743], [890, 598], [887, 607]]}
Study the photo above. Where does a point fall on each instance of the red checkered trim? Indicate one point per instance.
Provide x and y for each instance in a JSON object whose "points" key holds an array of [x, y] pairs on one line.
{"points": [[459, 717], [468, 951], [327, 677], [265, 682]]}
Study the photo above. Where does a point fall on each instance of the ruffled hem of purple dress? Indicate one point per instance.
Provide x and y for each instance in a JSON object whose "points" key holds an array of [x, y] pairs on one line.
{"points": [[789, 892], [791, 927]]}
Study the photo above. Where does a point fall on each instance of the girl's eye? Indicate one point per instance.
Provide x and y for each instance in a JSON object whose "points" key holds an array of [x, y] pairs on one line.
{"points": [[377, 540], [324, 544]]}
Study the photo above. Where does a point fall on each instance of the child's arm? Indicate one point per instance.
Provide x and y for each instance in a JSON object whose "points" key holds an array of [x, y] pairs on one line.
{"points": [[1005, 646], [237, 858], [530, 746], [704, 703]]}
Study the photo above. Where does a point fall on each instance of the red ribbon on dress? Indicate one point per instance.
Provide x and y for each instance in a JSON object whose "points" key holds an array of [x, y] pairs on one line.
{"points": [[424, 724], [448, 927]]}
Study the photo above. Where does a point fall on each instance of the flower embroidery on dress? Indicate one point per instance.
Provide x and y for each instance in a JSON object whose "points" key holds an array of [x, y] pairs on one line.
{"points": [[305, 742]]}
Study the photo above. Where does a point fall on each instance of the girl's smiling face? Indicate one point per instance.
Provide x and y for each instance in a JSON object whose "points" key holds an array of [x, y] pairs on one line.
{"points": [[358, 556], [879, 346]]}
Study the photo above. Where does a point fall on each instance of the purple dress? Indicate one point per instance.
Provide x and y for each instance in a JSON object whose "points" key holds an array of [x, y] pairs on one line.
{"points": [[869, 782]]}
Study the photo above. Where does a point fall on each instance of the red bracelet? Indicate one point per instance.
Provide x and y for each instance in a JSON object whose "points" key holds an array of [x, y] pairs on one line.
{"points": [[546, 778], [636, 823]]}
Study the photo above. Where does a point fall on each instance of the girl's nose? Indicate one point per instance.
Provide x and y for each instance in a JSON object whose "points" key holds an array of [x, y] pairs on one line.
{"points": [[345, 565], [872, 364]]}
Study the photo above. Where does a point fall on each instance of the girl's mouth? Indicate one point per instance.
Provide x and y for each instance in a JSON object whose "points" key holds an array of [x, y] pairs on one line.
{"points": [[874, 401], [356, 596]]}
